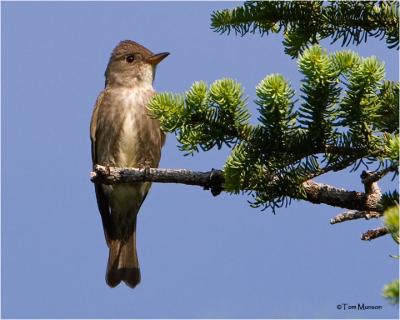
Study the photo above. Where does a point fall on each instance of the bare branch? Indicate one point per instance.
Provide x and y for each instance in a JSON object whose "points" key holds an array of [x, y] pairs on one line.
{"points": [[372, 191], [353, 215], [375, 176], [353, 200], [375, 233], [214, 180]]}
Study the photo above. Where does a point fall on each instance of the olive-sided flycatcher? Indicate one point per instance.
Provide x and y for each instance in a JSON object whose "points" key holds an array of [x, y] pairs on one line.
{"points": [[124, 135]]}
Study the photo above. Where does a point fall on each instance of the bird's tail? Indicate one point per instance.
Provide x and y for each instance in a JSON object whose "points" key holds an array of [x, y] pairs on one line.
{"points": [[123, 264]]}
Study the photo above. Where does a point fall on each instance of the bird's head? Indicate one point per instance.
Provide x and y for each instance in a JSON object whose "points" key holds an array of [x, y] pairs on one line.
{"points": [[132, 65]]}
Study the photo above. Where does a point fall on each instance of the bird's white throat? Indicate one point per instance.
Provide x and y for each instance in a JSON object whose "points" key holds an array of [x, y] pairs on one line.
{"points": [[141, 78]]}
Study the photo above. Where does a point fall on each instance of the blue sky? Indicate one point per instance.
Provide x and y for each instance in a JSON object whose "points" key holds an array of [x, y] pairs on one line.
{"points": [[200, 256]]}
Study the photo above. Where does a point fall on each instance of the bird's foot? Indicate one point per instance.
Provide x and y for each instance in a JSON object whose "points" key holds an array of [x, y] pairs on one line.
{"points": [[108, 170], [147, 166]]}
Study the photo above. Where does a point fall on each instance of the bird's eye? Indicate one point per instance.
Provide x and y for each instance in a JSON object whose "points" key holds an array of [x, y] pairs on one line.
{"points": [[130, 58]]}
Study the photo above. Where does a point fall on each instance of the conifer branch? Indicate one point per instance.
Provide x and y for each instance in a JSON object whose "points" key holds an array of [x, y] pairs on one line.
{"points": [[214, 180], [307, 22]]}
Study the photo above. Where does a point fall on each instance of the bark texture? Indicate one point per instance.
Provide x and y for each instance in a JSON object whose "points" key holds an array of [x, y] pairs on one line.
{"points": [[214, 180]]}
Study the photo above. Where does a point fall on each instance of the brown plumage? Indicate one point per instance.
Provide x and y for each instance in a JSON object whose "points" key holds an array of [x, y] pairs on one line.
{"points": [[123, 135]]}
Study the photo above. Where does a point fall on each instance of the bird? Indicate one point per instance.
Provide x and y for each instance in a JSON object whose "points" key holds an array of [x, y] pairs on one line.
{"points": [[123, 134]]}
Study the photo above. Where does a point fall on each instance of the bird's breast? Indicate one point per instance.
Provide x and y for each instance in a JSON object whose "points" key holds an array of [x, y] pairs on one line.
{"points": [[139, 139]]}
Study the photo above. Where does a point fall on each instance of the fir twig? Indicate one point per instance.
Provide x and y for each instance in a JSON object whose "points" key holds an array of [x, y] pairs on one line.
{"points": [[307, 22]]}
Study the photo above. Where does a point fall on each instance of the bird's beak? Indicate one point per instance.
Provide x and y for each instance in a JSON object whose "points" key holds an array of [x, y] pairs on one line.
{"points": [[156, 58]]}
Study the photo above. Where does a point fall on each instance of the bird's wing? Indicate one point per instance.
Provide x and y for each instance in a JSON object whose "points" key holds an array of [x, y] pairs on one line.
{"points": [[163, 137], [93, 126], [162, 133], [102, 201]]}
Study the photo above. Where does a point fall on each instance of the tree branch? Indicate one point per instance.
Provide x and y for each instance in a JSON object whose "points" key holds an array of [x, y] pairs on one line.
{"points": [[323, 193], [353, 215], [374, 233], [372, 191], [369, 178], [214, 180]]}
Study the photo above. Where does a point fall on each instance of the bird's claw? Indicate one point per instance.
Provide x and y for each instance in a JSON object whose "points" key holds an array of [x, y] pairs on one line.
{"points": [[108, 170], [146, 167]]}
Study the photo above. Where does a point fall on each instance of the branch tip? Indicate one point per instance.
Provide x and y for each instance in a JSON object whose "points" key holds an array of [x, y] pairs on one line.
{"points": [[374, 233]]}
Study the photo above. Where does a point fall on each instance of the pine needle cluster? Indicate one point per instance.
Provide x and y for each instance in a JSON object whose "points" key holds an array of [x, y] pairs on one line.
{"points": [[307, 22], [347, 114]]}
